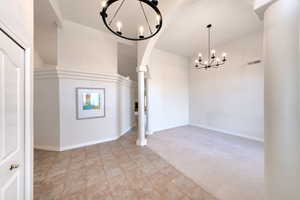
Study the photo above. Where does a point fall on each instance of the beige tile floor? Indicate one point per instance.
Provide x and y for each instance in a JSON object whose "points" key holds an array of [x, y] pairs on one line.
{"points": [[111, 171]]}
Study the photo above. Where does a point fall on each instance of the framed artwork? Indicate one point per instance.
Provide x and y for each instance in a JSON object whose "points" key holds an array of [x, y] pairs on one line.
{"points": [[90, 103]]}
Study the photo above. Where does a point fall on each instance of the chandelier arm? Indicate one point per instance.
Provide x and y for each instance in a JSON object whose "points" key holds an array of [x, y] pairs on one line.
{"points": [[218, 65], [201, 67], [202, 64], [117, 11], [146, 17], [222, 64]]}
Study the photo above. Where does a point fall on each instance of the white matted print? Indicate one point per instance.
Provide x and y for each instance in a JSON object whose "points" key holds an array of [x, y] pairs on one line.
{"points": [[90, 103]]}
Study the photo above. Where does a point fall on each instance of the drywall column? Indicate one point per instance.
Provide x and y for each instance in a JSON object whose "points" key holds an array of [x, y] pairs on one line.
{"points": [[141, 141], [282, 100], [148, 103]]}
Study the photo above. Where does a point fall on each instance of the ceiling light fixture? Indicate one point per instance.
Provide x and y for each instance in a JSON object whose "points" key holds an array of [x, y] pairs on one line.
{"points": [[212, 60], [142, 34]]}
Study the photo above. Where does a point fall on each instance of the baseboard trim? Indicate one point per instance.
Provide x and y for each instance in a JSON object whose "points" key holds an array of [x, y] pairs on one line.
{"points": [[126, 131], [46, 148], [52, 148], [168, 128], [229, 133], [88, 144]]}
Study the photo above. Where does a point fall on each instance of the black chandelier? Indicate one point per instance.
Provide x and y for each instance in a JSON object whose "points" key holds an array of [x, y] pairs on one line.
{"points": [[118, 30], [212, 60]]}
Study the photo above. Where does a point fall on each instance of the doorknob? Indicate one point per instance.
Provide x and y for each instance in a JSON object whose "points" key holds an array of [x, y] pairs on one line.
{"points": [[13, 166]]}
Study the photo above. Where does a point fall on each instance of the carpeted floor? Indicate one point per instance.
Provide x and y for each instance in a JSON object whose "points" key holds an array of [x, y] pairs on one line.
{"points": [[231, 168]]}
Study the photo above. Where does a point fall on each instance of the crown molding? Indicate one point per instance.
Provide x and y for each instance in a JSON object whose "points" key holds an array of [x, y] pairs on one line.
{"points": [[61, 73]]}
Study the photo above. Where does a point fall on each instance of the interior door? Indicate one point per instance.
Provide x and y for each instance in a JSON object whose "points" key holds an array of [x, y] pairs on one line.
{"points": [[12, 64]]}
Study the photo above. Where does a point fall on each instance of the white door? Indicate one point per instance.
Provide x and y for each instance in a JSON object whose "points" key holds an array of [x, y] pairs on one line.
{"points": [[11, 119]]}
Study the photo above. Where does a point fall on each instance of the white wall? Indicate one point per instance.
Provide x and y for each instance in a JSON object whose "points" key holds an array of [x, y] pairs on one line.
{"points": [[38, 61], [45, 42], [127, 60], [86, 49], [46, 114], [17, 16], [56, 126], [118, 120], [86, 58], [169, 90], [231, 99], [282, 100]]}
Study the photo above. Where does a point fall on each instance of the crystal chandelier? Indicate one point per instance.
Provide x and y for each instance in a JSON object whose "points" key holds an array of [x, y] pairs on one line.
{"points": [[212, 60], [116, 26]]}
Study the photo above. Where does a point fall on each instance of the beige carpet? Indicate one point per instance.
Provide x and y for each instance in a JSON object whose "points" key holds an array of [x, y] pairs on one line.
{"points": [[231, 168]]}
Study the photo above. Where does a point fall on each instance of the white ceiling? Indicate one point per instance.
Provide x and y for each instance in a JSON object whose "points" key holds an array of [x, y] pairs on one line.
{"points": [[187, 33]]}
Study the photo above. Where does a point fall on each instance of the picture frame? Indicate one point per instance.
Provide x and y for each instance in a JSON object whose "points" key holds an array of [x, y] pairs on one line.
{"points": [[90, 103]]}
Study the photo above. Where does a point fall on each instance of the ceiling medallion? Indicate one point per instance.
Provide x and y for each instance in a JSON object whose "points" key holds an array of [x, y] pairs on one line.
{"points": [[212, 60], [142, 34]]}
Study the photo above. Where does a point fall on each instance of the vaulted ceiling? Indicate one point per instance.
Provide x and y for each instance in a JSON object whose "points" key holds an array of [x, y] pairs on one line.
{"points": [[187, 32]]}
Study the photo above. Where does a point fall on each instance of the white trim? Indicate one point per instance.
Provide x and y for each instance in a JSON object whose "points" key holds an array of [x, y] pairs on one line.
{"points": [[142, 142], [28, 124], [141, 68], [46, 148], [229, 133], [59, 149], [168, 128], [53, 148], [88, 144], [61, 73], [149, 133], [126, 131]]}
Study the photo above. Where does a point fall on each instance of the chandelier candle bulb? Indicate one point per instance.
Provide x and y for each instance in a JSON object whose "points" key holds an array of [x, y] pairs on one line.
{"points": [[218, 60], [141, 32], [224, 56], [200, 56], [157, 21], [119, 27], [213, 54], [104, 4]]}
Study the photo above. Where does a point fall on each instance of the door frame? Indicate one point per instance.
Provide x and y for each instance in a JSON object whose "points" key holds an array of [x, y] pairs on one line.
{"points": [[28, 108]]}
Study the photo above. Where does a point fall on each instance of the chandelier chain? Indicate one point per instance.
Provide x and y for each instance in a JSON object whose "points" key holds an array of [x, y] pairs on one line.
{"points": [[146, 17]]}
